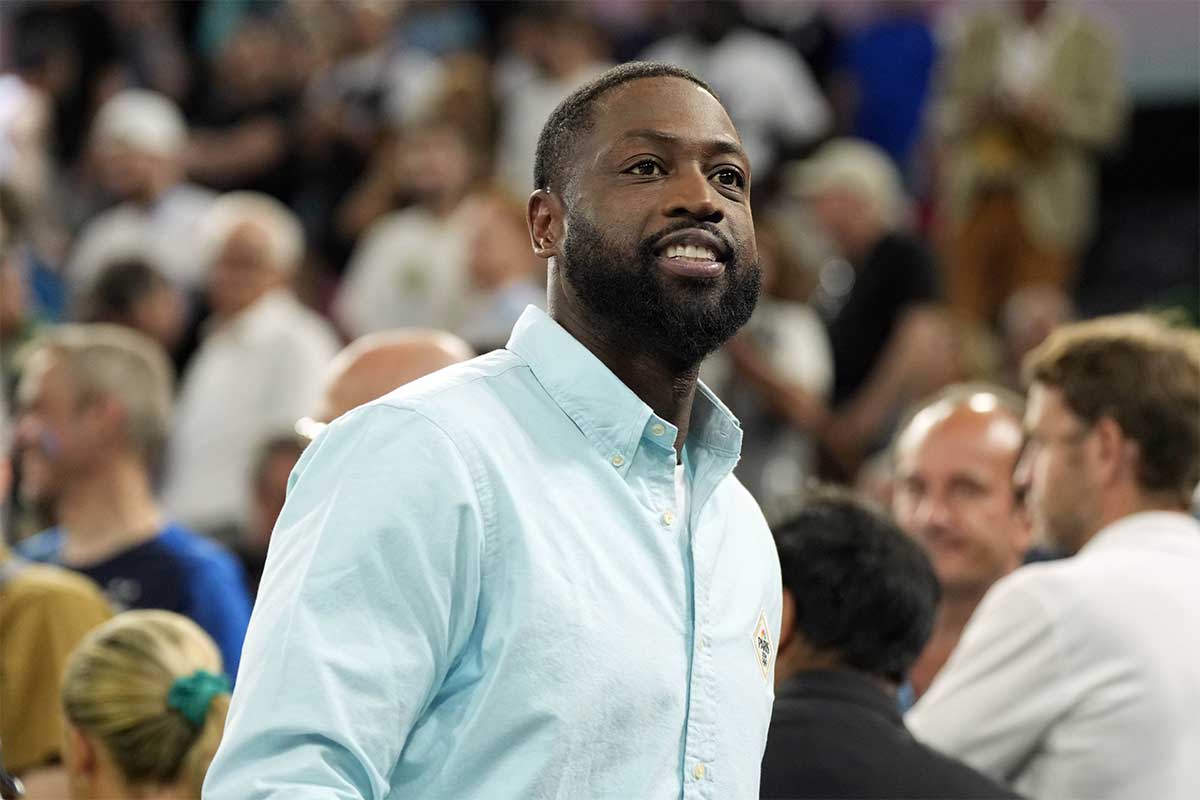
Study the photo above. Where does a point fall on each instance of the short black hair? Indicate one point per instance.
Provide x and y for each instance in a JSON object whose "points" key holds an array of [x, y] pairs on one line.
{"points": [[118, 289], [573, 117], [864, 591]]}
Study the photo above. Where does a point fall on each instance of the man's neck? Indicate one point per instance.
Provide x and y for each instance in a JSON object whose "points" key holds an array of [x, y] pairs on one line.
{"points": [[106, 512], [669, 388]]}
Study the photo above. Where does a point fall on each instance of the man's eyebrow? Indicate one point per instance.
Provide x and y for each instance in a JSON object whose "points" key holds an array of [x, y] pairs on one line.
{"points": [[718, 146]]}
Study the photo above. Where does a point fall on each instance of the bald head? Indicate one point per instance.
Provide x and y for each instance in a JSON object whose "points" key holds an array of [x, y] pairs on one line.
{"points": [[375, 364], [954, 487]]}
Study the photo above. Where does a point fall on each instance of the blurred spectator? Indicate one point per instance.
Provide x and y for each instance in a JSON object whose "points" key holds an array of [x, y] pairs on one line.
{"points": [[44, 612], [955, 494], [41, 67], [444, 27], [134, 294], [245, 130], [1028, 316], [1078, 677], [152, 54], [272, 465], [772, 98], [364, 370], [879, 297], [139, 138], [375, 364], [808, 26], [551, 50], [19, 321], [95, 401], [885, 71], [776, 375], [146, 701], [502, 270], [257, 370], [1029, 95], [410, 268], [77, 53], [858, 604], [374, 85]]}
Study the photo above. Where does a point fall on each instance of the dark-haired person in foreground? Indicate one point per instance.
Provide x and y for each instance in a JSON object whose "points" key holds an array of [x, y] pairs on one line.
{"points": [[533, 575], [859, 598]]}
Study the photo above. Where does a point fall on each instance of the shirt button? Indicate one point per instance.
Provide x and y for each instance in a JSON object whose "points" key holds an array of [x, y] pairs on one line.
{"points": [[668, 519], [698, 771], [618, 460], [657, 429]]}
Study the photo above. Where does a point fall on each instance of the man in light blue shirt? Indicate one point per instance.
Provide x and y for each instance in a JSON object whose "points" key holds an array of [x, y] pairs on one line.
{"points": [[533, 575]]}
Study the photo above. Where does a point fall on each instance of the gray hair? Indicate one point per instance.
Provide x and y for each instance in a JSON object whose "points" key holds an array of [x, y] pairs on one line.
{"points": [[284, 232], [111, 360]]}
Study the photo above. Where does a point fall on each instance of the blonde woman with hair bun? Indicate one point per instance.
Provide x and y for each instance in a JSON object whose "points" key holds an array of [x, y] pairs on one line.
{"points": [[145, 700]]}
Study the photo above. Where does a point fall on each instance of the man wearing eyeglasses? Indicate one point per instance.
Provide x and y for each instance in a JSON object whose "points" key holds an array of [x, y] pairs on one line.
{"points": [[1080, 678]]}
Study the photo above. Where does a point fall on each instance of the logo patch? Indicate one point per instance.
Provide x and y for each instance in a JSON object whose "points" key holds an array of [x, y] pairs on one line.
{"points": [[762, 645]]}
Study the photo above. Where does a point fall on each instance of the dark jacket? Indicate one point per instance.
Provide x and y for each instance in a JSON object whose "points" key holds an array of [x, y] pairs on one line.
{"points": [[839, 735]]}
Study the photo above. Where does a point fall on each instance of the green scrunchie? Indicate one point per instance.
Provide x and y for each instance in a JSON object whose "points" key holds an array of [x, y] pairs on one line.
{"points": [[191, 695]]}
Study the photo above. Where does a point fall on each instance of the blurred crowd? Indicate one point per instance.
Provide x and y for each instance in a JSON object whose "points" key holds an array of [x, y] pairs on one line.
{"points": [[223, 224]]}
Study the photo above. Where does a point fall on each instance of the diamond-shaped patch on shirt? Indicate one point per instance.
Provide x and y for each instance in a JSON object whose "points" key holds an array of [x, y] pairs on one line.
{"points": [[762, 645]]}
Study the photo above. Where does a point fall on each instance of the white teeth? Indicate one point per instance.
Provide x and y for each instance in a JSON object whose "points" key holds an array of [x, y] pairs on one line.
{"points": [[691, 251]]}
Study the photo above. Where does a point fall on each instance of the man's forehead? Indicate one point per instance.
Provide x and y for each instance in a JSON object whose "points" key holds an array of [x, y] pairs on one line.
{"points": [[665, 104], [944, 432]]}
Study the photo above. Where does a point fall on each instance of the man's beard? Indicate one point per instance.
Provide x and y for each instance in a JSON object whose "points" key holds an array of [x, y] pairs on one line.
{"points": [[636, 303]]}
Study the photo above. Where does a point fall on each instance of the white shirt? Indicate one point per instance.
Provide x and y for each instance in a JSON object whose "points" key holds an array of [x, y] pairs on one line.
{"points": [[252, 378], [1081, 678], [162, 234], [409, 270], [766, 87]]}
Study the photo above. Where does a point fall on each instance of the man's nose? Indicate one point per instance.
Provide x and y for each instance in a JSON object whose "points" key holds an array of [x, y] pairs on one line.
{"points": [[693, 195], [933, 513]]}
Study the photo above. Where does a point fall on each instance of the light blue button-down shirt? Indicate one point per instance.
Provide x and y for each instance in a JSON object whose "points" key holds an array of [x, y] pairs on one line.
{"points": [[478, 589]]}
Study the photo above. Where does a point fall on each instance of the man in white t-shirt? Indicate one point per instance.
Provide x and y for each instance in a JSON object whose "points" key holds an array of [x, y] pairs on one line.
{"points": [[257, 371]]}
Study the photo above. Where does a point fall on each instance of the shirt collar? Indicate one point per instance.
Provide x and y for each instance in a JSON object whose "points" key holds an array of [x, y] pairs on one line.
{"points": [[843, 685], [607, 411]]}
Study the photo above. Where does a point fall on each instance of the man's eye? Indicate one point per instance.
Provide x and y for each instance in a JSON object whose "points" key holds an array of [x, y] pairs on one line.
{"points": [[731, 177], [646, 167]]}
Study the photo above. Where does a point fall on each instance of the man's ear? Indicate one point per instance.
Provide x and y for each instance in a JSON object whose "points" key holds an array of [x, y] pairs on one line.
{"points": [[545, 218], [1116, 454]]}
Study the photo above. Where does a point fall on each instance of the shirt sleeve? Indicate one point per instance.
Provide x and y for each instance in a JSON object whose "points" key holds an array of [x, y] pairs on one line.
{"points": [[1004, 684], [369, 593]]}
